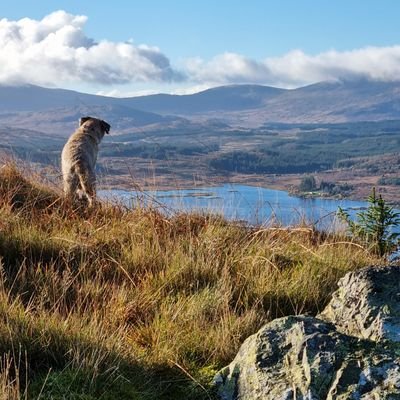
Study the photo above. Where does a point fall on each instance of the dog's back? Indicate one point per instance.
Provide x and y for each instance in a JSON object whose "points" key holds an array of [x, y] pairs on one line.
{"points": [[79, 155]]}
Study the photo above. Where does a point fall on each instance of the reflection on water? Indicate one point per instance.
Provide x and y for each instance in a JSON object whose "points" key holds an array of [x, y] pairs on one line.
{"points": [[245, 203], [178, 194]]}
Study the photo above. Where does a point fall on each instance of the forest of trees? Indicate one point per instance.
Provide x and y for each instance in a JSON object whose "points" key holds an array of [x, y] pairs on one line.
{"points": [[271, 149], [270, 162]]}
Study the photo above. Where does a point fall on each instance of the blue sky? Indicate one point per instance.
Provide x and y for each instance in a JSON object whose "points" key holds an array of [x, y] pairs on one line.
{"points": [[135, 47]]}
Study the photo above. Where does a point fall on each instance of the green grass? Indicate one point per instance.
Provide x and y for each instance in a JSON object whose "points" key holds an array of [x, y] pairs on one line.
{"points": [[114, 303]]}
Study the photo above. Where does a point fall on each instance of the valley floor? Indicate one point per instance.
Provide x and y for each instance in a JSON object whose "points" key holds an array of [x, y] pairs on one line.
{"points": [[158, 176]]}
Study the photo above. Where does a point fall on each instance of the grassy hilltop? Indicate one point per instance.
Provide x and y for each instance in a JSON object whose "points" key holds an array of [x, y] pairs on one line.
{"points": [[111, 303]]}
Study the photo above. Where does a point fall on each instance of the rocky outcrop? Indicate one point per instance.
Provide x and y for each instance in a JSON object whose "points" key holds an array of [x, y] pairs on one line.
{"points": [[367, 304], [350, 351]]}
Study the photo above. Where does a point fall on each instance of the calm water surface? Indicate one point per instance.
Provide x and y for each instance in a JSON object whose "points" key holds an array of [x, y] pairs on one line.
{"points": [[254, 205]]}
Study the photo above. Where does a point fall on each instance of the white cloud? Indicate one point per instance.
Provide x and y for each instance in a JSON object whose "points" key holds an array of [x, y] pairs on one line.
{"points": [[191, 89], [297, 68], [126, 93], [227, 68], [55, 50]]}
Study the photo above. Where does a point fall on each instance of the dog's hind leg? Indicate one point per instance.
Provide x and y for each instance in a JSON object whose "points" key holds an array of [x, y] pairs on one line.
{"points": [[87, 180], [71, 182]]}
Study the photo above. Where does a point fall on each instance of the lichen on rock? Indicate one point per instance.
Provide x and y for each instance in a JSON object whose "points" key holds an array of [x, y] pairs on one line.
{"points": [[345, 353], [367, 304]]}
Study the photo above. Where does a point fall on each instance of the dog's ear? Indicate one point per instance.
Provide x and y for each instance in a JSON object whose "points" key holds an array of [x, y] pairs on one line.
{"points": [[105, 126], [83, 120]]}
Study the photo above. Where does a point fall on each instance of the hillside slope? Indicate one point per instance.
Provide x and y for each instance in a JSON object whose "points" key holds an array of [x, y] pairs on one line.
{"points": [[333, 102], [114, 303]]}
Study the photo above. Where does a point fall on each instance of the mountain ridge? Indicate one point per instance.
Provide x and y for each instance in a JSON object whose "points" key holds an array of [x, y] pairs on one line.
{"points": [[244, 105]]}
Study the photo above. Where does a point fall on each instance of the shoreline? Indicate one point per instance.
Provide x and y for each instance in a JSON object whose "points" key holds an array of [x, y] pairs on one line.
{"points": [[286, 183], [206, 191]]}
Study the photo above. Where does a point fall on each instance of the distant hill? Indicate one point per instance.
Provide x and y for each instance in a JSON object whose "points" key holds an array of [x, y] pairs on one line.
{"points": [[63, 120], [223, 98], [36, 98], [244, 105], [57, 111], [350, 101]]}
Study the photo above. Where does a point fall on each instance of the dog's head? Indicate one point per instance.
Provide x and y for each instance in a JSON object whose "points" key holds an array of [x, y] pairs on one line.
{"points": [[95, 126]]}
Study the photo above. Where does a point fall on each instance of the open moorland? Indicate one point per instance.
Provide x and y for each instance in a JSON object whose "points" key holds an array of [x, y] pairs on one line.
{"points": [[113, 303]]}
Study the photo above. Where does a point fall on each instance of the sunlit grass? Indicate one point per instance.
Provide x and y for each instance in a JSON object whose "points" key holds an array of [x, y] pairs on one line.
{"points": [[118, 303]]}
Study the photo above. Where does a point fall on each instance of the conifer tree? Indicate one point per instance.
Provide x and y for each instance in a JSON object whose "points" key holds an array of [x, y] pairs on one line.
{"points": [[375, 225]]}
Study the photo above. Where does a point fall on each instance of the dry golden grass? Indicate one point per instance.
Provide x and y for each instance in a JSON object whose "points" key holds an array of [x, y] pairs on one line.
{"points": [[117, 303]]}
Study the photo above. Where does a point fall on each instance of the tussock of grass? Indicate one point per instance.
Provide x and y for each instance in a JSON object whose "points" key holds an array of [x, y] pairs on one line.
{"points": [[116, 303]]}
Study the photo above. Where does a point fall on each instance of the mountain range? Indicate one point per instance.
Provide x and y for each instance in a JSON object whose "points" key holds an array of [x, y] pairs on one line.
{"points": [[56, 111]]}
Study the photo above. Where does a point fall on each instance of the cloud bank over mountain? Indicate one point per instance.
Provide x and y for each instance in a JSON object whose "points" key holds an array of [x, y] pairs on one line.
{"points": [[297, 68], [55, 51]]}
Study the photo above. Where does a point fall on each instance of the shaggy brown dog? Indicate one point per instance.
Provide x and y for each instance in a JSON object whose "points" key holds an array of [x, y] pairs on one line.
{"points": [[78, 158]]}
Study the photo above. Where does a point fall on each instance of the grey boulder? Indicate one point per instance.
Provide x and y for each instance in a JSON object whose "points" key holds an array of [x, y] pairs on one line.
{"points": [[367, 304], [350, 351]]}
